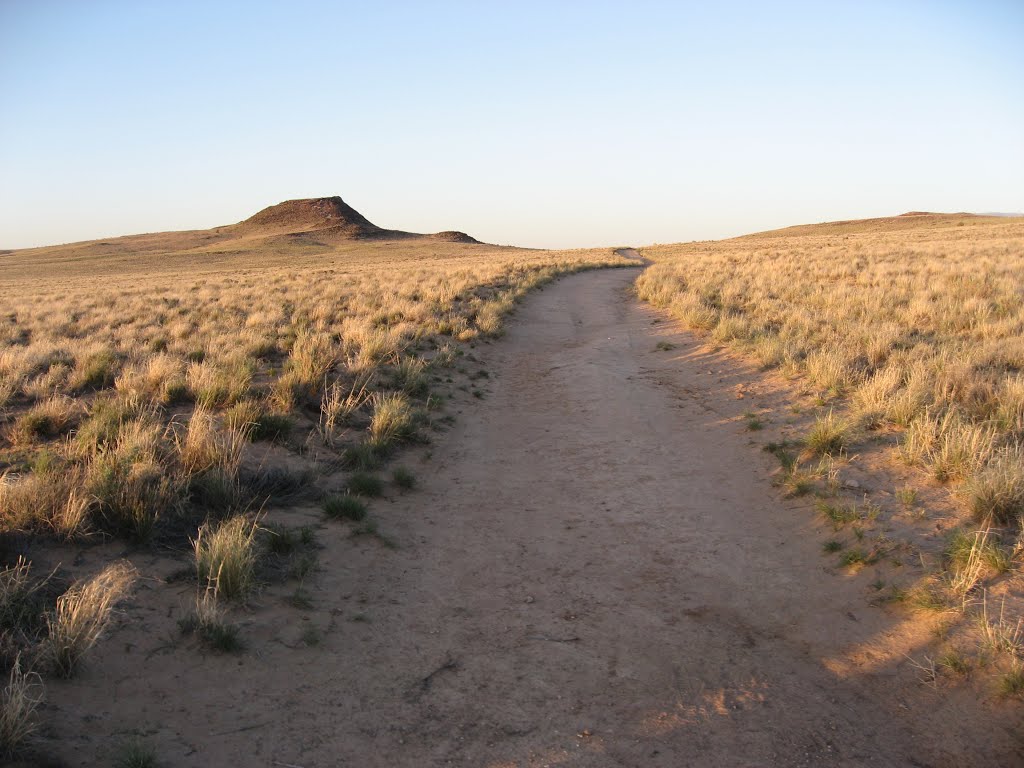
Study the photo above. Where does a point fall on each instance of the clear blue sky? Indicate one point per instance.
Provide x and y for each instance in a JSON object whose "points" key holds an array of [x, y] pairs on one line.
{"points": [[546, 124]]}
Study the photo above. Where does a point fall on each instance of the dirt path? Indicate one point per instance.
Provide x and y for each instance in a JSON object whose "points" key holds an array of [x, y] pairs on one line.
{"points": [[595, 572]]}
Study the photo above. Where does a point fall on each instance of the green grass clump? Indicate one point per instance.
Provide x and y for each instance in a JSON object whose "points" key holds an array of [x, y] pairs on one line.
{"points": [[365, 456], [403, 478], [829, 435], [136, 755], [853, 557], [208, 623], [963, 548], [838, 514], [1012, 683], [344, 507], [364, 484]]}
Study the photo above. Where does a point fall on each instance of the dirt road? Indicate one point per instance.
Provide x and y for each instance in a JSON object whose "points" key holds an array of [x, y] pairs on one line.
{"points": [[595, 571]]}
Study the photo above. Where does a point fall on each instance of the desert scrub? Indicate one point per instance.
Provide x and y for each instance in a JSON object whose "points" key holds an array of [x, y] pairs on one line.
{"points": [[225, 556], [83, 614]]}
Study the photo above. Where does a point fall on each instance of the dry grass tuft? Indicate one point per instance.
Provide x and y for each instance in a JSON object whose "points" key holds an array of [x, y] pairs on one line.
{"points": [[225, 556], [19, 701], [393, 418], [83, 613]]}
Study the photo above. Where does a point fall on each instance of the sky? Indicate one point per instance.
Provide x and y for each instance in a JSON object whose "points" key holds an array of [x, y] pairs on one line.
{"points": [[546, 124]]}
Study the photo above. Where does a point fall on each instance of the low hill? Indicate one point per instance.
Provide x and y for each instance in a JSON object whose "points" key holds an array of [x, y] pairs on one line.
{"points": [[288, 230], [905, 221]]}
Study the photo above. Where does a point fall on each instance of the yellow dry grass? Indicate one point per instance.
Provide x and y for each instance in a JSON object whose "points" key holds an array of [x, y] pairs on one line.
{"points": [[99, 340], [911, 323]]}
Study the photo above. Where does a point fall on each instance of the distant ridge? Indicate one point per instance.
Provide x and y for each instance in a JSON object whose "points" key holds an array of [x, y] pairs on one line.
{"points": [[330, 218]]}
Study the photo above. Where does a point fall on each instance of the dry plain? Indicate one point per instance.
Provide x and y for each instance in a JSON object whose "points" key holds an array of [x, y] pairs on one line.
{"points": [[371, 521]]}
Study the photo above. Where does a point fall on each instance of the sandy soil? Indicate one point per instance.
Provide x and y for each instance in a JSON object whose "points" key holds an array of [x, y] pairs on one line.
{"points": [[595, 571]]}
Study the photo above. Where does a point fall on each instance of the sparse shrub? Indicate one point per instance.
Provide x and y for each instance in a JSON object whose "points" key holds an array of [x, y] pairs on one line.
{"points": [[289, 391], [83, 613], [243, 415], [103, 425], [218, 492], [444, 356], [372, 346], [906, 496], [161, 379]]}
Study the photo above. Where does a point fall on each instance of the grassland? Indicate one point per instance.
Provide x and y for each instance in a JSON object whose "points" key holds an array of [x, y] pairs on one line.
{"points": [[163, 389], [906, 336]]}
